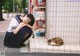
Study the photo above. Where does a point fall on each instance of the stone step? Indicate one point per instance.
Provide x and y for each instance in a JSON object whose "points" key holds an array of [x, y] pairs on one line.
{"points": [[39, 44]]}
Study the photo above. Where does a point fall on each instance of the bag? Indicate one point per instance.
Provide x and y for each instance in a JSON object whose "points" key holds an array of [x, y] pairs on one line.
{"points": [[8, 37], [55, 41], [19, 20]]}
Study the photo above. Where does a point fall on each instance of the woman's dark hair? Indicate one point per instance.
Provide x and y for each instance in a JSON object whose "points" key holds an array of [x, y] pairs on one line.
{"points": [[32, 19]]}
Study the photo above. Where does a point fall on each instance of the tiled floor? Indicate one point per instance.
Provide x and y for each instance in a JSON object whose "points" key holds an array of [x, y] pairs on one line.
{"points": [[39, 44]]}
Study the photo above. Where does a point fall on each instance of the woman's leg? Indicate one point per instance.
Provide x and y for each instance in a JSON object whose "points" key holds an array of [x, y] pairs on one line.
{"points": [[9, 40], [18, 39]]}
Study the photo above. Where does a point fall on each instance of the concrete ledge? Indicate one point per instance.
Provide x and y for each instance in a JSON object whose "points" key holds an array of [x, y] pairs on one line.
{"points": [[39, 44]]}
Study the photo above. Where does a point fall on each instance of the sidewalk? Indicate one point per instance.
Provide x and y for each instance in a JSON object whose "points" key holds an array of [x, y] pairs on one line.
{"points": [[4, 24]]}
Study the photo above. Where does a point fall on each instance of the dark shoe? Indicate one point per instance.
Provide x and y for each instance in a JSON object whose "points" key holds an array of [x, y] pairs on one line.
{"points": [[23, 45]]}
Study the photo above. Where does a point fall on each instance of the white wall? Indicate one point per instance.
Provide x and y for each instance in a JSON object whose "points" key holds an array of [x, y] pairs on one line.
{"points": [[63, 20]]}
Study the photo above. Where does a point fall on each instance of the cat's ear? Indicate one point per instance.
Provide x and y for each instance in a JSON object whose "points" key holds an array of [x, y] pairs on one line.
{"points": [[49, 41]]}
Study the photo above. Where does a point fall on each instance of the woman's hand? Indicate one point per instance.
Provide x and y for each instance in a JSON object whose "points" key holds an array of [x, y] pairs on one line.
{"points": [[19, 27], [22, 25], [32, 27]]}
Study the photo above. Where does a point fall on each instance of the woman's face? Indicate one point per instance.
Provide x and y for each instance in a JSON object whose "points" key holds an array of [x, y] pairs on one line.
{"points": [[26, 19]]}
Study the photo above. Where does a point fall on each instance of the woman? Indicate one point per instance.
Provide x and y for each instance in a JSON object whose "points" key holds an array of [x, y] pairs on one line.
{"points": [[20, 29]]}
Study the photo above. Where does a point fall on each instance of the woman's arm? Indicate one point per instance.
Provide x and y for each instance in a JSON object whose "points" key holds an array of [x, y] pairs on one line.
{"points": [[18, 28], [32, 27]]}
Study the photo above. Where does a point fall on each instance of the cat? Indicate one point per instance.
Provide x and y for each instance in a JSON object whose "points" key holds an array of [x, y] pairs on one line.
{"points": [[55, 41]]}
